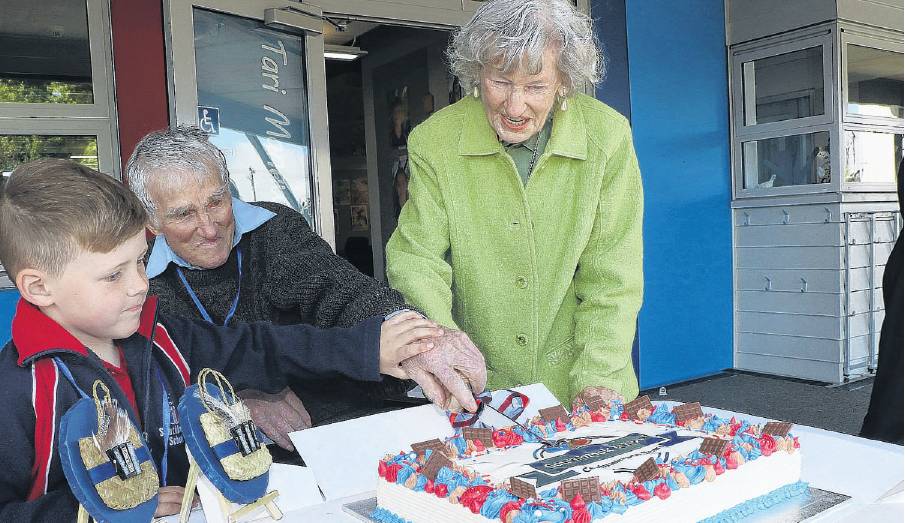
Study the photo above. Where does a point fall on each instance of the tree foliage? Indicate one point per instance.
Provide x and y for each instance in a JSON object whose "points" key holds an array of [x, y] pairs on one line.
{"points": [[20, 148]]}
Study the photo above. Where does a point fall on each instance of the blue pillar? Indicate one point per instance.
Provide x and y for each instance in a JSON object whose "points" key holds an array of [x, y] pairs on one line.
{"points": [[8, 299], [680, 121]]}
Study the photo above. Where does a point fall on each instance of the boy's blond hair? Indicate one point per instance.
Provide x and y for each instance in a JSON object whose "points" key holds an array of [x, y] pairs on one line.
{"points": [[49, 208]]}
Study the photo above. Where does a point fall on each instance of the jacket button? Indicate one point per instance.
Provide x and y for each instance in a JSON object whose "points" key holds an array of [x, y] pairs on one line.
{"points": [[521, 282], [521, 339]]}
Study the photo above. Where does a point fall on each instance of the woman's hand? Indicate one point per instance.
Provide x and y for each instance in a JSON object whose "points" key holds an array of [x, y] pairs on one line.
{"points": [[591, 394]]}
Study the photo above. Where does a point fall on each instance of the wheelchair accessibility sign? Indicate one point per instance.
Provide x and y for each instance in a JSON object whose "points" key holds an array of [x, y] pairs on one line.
{"points": [[209, 119]]}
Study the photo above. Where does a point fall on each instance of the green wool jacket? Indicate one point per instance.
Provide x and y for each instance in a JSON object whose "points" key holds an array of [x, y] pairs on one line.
{"points": [[545, 278]]}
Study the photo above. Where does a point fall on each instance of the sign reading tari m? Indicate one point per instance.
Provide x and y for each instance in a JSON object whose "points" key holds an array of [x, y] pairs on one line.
{"points": [[254, 75]]}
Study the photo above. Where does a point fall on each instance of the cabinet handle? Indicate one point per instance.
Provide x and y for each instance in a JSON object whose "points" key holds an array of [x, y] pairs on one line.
{"points": [[829, 215], [804, 285], [786, 217], [768, 285]]}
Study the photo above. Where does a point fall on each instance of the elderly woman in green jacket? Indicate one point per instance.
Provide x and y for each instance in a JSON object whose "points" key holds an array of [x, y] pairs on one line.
{"points": [[523, 226]]}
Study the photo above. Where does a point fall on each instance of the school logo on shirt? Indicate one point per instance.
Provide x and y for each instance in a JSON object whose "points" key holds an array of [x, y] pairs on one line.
{"points": [[176, 437]]}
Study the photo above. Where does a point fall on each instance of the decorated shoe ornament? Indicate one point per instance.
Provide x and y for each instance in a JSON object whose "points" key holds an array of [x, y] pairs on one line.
{"points": [[106, 462], [223, 440]]}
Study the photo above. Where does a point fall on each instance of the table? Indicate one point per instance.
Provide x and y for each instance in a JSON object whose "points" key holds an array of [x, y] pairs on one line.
{"points": [[873, 470]]}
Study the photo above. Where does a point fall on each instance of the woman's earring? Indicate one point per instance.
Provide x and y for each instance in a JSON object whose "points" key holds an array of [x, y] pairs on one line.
{"points": [[565, 102], [475, 93]]}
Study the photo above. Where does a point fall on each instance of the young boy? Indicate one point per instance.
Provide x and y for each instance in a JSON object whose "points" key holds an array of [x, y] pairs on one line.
{"points": [[73, 241]]}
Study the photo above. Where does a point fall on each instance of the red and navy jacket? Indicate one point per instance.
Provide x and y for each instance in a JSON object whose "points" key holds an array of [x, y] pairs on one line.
{"points": [[164, 355]]}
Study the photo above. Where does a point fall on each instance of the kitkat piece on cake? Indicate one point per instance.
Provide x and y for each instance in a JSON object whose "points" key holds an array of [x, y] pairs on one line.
{"points": [[591, 470], [522, 489], [777, 428], [714, 446], [432, 444], [557, 412], [688, 411], [484, 435], [639, 408]]}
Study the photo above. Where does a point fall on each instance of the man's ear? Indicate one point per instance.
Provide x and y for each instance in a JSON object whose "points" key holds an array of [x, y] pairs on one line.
{"points": [[33, 286]]}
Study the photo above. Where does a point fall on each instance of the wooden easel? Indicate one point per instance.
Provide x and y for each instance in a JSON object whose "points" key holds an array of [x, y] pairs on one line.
{"points": [[267, 501]]}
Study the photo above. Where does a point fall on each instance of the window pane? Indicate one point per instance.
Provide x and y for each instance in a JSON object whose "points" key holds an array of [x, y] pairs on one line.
{"points": [[253, 79], [872, 157], [784, 86], [44, 52], [18, 149], [787, 160], [874, 82]]}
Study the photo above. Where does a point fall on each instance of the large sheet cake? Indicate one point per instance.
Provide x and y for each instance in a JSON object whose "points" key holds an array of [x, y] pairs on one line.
{"points": [[604, 462]]}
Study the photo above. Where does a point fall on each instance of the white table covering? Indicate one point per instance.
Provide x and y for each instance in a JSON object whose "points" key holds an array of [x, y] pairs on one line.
{"points": [[870, 472]]}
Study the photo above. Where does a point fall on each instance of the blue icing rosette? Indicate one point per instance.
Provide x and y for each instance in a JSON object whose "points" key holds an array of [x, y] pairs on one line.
{"points": [[549, 511], [662, 416], [495, 501]]}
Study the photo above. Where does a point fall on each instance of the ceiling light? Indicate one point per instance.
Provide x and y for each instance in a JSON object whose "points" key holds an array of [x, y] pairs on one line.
{"points": [[346, 53]]}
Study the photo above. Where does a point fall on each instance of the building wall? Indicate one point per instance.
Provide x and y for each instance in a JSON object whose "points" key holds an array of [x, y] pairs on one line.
{"points": [[140, 69], [680, 120]]}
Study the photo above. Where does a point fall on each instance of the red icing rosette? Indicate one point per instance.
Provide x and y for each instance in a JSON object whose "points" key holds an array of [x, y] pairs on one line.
{"points": [[662, 490], [580, 512], [767, 444], [473, 498], [506, 438], [510, 507], [639, 490], [392, 471]]}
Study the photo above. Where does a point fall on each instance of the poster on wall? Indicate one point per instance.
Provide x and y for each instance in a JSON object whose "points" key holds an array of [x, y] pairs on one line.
{"points": [[359, 191], [360, 217]]}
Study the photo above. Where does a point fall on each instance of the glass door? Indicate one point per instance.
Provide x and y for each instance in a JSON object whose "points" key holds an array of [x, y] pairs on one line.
{"points": [[251, 74]]}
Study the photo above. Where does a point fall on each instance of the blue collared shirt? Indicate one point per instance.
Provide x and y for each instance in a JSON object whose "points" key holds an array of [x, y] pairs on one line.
{"points": [[247, 217]]}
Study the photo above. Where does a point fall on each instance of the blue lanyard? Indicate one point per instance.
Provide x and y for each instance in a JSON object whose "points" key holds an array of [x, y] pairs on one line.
{"points": [[200, 307], [165, 414], [165, 420], [68, 375]]}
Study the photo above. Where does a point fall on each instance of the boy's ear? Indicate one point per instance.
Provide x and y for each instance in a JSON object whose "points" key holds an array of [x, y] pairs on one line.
{"points": [[32, 285]]}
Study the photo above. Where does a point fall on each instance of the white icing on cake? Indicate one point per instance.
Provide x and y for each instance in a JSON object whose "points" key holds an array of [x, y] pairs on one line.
{"points": [[692, 503]]}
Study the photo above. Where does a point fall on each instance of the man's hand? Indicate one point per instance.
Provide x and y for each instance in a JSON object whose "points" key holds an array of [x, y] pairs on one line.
{"points": [[589, 393], [277, 414], [451, 372], [169, 501]]}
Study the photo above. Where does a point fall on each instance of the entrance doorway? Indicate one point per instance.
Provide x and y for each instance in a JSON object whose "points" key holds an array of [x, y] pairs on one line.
{"points": [[398, 79], [255, 72]]}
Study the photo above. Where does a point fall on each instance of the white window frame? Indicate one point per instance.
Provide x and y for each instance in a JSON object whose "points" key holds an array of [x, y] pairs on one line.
{"points": [[95, 119], [183, 94], [98, 118], [883, 40], [821, 36]]}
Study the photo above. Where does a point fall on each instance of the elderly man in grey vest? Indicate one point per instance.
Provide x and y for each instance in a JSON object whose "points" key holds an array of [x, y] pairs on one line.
{"points": [[223, 260]]}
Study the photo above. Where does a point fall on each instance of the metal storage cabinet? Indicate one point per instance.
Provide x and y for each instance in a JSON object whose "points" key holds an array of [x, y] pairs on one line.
{"points": [[808, 291], [817, 126]]}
